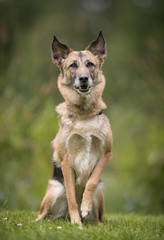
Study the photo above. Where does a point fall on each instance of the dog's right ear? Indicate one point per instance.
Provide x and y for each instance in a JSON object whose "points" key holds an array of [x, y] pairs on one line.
{"points": [[59, 51], [98, 47]]}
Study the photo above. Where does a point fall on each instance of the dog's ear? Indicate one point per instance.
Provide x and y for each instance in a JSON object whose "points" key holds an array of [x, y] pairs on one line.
{"points": [[59, 51], [98, 47]]}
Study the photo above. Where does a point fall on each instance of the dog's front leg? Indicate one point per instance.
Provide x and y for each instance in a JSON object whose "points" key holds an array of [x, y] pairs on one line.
{"points": [[91, 184], [69, 180]]}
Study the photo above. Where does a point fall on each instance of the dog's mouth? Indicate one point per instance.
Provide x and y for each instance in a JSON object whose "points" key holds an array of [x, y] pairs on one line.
{"points": [[83, 88]]}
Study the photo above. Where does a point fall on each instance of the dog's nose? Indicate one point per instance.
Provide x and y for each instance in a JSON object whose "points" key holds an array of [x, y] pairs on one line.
{"points": [[83, 78]]}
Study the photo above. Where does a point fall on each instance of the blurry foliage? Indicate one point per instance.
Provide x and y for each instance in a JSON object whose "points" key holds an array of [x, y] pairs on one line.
{"points": [[133, 29]]}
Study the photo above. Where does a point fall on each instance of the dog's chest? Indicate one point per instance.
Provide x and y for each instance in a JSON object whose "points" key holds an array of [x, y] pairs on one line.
{"points": [[84, 152], [84, 141]]}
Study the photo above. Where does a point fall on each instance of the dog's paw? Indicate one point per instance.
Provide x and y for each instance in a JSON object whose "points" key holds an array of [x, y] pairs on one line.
{"points": [[76, 221], [75, 218], [85, 209], [40, 217]]}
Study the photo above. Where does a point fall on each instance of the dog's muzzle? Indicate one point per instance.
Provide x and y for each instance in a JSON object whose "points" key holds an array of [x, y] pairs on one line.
{"points": [[83, 84]]}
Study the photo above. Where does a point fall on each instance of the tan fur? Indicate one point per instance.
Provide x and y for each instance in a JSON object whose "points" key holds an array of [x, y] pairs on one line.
{"points": [[83, 144]]}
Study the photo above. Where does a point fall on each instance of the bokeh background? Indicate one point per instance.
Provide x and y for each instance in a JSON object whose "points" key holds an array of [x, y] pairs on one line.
{"points": [[134, 70]]}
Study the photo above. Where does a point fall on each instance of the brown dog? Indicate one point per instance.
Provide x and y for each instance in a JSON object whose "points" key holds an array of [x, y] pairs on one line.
{"points": [[83, 144]]}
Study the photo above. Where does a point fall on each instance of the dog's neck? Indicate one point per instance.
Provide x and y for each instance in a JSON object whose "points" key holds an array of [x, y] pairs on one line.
{"points": [[86, 108], [83, 109]]}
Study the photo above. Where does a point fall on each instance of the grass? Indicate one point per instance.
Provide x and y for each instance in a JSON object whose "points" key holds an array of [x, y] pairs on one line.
{"points": [[21, 225]]}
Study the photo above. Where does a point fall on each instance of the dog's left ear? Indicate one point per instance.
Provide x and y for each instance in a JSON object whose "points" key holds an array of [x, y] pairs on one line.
{"points": [[59, 51], [98, 47]]}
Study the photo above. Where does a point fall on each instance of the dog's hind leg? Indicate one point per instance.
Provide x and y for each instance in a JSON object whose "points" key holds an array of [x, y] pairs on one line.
{"points": [[98, 204], [50, 203], [100, 197]]}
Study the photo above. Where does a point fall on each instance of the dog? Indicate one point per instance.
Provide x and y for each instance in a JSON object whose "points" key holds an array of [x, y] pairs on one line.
{"points": [[83, 144]]}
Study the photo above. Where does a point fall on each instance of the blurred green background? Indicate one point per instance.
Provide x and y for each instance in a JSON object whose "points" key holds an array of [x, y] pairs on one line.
{"points": [[134, 70]]}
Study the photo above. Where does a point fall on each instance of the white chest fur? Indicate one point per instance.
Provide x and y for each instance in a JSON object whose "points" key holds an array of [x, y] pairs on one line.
{"points": [[84, 152]]}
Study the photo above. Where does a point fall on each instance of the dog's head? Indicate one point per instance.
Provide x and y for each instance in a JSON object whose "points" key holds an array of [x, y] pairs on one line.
{"points": [[80, 69]]}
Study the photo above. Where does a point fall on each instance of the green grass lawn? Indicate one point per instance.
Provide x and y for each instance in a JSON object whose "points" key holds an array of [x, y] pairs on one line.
{"points": [[21, 225]]}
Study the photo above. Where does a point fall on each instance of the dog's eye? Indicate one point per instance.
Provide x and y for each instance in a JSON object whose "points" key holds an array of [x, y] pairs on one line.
{"points": [[73, 65], [90, 64]]}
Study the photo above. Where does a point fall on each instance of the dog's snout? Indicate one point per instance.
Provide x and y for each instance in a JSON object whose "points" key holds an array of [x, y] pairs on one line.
{"points": [[83, 78]]}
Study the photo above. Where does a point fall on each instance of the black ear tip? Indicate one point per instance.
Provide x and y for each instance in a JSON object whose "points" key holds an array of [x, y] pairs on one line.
{"points": [[100, 35], [54, 38]]}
